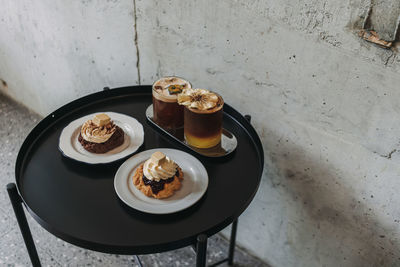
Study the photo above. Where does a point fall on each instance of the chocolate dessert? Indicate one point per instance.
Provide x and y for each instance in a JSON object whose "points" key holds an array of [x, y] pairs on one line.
{"points": [[100, 135]]}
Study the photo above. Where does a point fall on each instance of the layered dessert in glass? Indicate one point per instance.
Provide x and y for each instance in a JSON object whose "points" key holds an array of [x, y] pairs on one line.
{"points": [[166, 111], [203, 112]]}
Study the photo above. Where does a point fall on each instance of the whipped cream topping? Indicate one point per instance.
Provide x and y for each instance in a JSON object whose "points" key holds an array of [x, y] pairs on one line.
{"points": [[159, 166], [169, 87], [200, 99], [96, 131]]}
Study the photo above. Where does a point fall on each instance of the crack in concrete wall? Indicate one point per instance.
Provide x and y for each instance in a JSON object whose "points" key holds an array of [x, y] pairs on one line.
{"points": [[3, 83], [389, 156], [136, 43]]}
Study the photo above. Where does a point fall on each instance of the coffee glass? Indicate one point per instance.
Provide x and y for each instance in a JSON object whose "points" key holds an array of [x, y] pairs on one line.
{"points": [[203, 125], [166, 111]]}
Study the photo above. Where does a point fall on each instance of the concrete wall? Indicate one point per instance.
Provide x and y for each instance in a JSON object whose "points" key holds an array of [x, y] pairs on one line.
{"points": [[52, 52], [324, 102]]}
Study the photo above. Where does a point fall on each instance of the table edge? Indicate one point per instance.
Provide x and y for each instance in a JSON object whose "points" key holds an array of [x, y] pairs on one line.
{"points": [[63, 111]]}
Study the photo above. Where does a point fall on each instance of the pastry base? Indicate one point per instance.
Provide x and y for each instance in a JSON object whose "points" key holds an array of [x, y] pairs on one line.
{"points": [[169, 188]]}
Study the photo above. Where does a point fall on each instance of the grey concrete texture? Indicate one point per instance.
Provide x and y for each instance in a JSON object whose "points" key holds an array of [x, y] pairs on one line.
{"points": [[15, 123], [325, 104], [323, 100]]}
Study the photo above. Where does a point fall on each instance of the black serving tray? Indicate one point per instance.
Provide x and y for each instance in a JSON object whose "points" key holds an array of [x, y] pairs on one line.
{"points": [[224, 148], [77, 202]]}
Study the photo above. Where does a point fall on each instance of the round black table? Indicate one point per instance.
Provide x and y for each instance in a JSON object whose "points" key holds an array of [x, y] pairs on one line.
{"points": [[77, 202]]}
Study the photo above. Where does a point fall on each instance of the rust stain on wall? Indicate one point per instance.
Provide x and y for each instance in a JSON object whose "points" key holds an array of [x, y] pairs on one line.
{"points": [[381, 22], [373, 37]]}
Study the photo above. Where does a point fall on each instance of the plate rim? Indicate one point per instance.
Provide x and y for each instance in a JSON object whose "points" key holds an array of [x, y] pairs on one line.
{"points": [[124, 179], [105, 161]]}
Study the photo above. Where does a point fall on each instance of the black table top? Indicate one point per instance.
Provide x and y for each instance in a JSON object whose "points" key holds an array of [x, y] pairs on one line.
{"points": [[77, 202]]}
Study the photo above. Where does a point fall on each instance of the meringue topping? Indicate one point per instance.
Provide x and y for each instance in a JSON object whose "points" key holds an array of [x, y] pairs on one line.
{"points": [[167, 88], [159, 166], [99, 129], [200, 99]]}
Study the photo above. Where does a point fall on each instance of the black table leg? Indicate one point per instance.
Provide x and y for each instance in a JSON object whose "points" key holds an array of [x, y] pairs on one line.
{"points": [[138, 261], [232, 242], [23, 223], [201, 250]]}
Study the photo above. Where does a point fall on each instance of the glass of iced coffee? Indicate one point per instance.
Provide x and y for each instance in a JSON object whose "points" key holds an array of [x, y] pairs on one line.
{"points": [[166, 111], [203, 112]]}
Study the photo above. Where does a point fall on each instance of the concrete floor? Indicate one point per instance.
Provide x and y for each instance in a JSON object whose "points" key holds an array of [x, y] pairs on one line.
{"points": [[15, 123]]}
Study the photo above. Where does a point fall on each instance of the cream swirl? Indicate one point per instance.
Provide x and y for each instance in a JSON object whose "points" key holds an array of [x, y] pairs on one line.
{"points": [[97, 134], [159, 169]]}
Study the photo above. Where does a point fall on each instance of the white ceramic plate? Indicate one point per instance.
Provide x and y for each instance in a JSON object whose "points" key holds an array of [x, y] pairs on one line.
{"points": [[194, 184], [133, 139]]}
